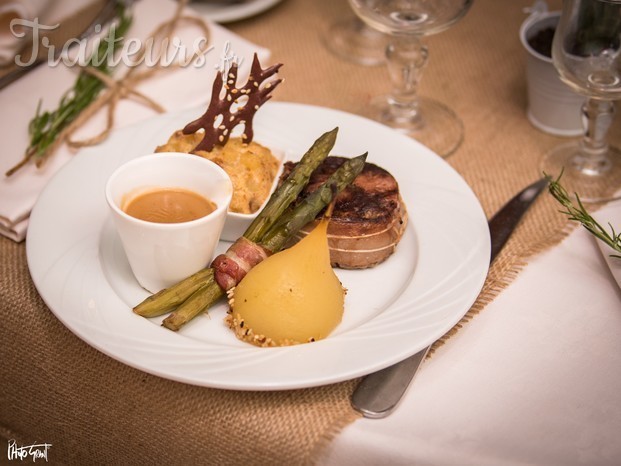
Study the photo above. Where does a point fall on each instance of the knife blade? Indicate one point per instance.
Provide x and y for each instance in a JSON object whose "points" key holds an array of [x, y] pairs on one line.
{"points": [[378, 393], [106, 14]]}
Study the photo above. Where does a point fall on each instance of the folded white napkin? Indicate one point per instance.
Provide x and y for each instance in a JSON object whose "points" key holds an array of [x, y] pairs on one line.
{"points": [[174, 90], [28, 10], [610, 214]]}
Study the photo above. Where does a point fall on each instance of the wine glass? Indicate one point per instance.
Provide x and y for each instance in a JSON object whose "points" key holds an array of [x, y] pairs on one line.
{"points": [[587, 54], [353, 40], [406, 22]]}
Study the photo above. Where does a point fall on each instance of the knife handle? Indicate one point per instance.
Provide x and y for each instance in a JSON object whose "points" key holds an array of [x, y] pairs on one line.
{"points": [[106, 14], [17, 73]]}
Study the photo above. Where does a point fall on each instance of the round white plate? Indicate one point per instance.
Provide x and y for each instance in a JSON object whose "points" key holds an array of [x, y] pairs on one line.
{"points": [[392, 311], [224, 12]]}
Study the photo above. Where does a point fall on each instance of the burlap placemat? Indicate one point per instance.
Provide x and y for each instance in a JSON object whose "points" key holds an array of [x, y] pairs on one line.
{"points": [[94, 410]]}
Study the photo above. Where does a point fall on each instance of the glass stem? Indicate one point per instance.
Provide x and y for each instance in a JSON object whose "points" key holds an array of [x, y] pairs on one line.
{"points": [[597, 116], [406, 57]]}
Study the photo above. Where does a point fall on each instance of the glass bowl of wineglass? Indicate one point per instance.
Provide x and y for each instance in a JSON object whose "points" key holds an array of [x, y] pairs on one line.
{"points": [[586, 51], [407, 22], [351, 39]]}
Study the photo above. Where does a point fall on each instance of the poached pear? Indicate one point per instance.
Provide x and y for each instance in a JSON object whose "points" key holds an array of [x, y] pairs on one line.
{"points": [[291, 297]]}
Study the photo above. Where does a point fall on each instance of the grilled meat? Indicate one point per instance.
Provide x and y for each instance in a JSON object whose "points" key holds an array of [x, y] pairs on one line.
{"points": [[369, 216]]}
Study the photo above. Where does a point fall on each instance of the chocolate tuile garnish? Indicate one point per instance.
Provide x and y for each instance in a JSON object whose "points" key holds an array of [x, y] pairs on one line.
{"points": [[254, 90]]}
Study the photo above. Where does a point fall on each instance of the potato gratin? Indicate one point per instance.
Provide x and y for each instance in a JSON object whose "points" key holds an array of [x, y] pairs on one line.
{"points": [[251, 167]]}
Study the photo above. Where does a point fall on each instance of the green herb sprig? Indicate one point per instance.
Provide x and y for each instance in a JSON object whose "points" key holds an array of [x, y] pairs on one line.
{"points": [[46, 126], [577, 212]]}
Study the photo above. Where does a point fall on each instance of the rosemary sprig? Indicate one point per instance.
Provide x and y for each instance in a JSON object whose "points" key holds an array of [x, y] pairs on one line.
{"points": [[45, 127], [577, 212]]}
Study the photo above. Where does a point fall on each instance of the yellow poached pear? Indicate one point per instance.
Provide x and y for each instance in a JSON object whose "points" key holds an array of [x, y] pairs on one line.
{"points": [[291, 297]]}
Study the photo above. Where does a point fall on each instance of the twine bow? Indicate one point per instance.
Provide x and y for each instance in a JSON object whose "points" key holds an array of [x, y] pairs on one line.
{"points": [[125, 87]]}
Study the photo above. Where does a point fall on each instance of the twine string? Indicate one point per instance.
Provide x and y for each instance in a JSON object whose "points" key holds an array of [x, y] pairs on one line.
{"points": [[125, 87]]}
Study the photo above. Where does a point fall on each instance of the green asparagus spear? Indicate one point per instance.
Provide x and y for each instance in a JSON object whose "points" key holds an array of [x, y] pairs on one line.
{"points": [[169, 298], [288, 191], [291, 222], [201, 300], [275, 238]]}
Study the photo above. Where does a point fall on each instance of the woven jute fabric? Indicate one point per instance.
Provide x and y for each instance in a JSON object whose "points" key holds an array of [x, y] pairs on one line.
{"points": [[55, 388]]}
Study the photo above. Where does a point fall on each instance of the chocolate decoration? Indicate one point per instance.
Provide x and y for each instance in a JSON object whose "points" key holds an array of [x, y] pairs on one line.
{"points": [[253, 90]]}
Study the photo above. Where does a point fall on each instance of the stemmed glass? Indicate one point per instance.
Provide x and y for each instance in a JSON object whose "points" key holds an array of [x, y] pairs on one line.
{"points": [[587, 53], [353, 40], [406, 22]]}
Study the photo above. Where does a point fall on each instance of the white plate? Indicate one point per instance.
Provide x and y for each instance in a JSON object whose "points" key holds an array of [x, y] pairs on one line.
{"points": [[392, 310], [223, 12]]}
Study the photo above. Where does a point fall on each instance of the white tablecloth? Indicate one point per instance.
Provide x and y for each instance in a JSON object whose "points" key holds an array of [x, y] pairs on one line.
{"points": [[535, 378]]}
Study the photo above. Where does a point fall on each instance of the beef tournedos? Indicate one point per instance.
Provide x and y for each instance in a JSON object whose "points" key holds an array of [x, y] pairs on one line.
{"points": [[369, 216]]}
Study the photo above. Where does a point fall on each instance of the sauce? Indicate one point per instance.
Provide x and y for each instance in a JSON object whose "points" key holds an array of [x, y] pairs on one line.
{"points": [[169, 205]]}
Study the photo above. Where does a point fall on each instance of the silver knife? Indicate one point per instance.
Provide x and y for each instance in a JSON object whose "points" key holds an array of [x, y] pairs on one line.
{"points": [[107, 13], [377, 394]]}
